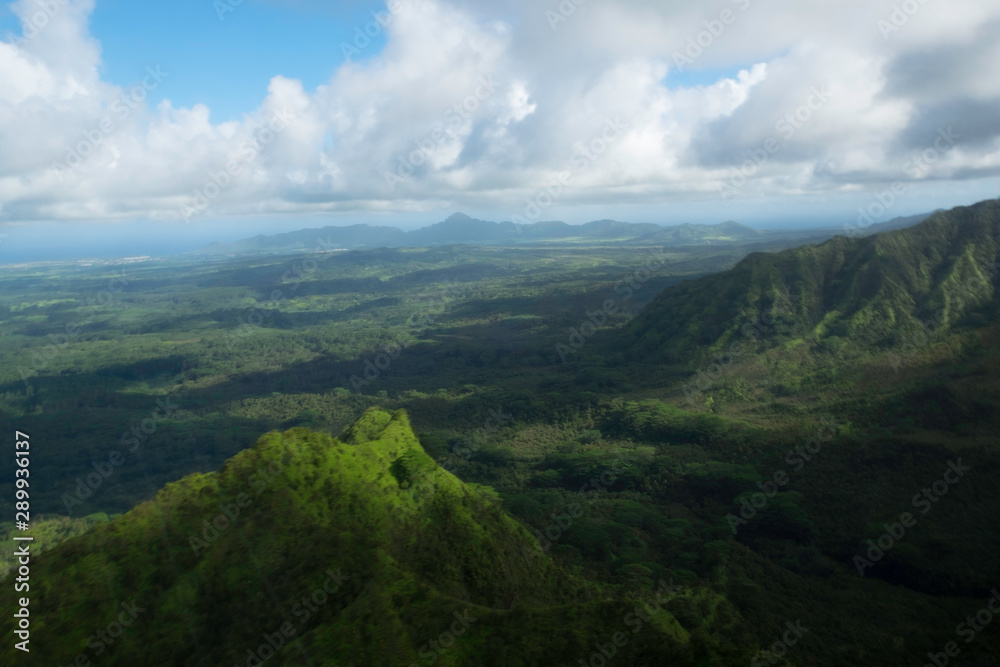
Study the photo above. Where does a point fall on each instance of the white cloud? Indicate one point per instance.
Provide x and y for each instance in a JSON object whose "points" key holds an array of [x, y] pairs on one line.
{"points": [[469, 110]]}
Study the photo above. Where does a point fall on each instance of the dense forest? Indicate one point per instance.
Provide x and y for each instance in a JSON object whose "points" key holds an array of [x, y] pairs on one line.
{"points": [[708, 454]]}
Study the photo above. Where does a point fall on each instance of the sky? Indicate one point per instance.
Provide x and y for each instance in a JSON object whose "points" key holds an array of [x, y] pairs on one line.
{"points": [[220, 119]]}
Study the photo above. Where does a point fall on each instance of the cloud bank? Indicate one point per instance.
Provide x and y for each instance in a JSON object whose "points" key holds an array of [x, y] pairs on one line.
{"points": [[470, 107]]}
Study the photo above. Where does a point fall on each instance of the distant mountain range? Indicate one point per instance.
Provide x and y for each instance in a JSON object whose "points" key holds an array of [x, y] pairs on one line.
{"points": [[460, 228]]}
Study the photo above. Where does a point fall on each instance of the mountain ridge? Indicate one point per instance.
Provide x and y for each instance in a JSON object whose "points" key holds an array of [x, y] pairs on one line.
{"points": [[386, 545], [460, 228], [873, 290]]}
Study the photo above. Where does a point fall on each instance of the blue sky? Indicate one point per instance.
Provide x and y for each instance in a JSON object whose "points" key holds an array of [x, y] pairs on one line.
{"points": [[503, 110], [224, 63]]}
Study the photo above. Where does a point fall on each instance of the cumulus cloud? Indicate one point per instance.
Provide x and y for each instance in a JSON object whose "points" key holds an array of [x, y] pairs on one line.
{"points": [[468, 106]]}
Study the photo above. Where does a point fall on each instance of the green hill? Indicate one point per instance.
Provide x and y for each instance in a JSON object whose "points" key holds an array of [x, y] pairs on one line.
{"points": [[878, 292], [351, 551]]}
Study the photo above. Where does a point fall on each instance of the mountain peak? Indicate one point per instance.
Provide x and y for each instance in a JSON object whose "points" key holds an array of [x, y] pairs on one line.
{"points": [[369, 509], [732, 225]]}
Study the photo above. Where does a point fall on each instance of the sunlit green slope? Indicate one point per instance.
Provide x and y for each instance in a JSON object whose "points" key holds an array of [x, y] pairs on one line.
{"points": [[351, 551]]}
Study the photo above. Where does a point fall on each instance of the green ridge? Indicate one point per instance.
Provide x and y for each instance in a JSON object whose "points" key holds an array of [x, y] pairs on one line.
{"points": [[414, 544]]}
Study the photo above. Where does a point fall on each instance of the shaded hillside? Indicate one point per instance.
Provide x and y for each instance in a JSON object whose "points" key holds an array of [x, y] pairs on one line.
{"points": [[874, 291], [349, 551]]}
